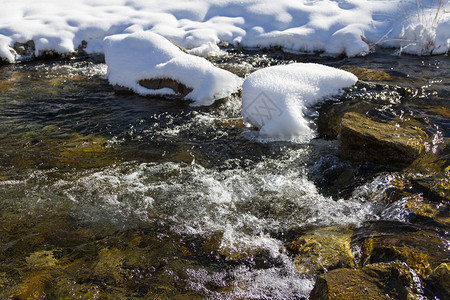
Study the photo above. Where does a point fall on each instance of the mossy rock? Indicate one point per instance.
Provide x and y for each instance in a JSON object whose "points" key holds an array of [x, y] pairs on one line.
{"points": [[429, 175], [323, 250], [376, 281], [422, 190], [364, 139], [5, 281], [422, 250], [420, 205]]}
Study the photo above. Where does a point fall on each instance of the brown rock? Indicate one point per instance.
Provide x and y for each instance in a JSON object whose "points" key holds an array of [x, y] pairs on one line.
{"points": [[330, 116], [364, 139], [180, 89], [376, 281], [322, 250], [422, 250]]}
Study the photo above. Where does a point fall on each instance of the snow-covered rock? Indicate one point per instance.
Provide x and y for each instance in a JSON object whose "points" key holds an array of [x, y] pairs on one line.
{"points": [[207, 50], [149, 64], [274, 99]]}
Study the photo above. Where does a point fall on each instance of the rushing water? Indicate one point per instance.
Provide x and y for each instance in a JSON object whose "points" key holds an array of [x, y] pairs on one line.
{"points": [[117, 195]]}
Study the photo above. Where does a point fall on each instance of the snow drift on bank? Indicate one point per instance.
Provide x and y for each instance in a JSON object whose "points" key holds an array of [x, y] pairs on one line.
{"points": [[274, 98], [134, 59], [332, 26]]}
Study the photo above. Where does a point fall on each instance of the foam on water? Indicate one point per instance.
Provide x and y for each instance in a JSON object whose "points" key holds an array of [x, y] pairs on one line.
{"points": [[82, 68], [250, 208]]}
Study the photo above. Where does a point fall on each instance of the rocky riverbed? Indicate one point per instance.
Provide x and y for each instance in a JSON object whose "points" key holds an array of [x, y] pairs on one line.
{"points": [[110, 195]]}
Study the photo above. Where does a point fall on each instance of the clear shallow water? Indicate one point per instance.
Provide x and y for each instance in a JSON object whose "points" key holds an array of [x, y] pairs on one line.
{"points": [[153, 197]]}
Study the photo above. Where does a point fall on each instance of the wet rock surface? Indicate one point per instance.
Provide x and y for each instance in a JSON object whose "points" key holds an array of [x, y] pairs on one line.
{"points": [[423, 250], [323, 250], [440, 279], [362, 138], [375, 281]]}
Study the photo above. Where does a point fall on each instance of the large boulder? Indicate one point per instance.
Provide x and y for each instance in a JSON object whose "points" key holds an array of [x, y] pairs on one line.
{"points": [[376, 281], [422, 250], [364, 139]]}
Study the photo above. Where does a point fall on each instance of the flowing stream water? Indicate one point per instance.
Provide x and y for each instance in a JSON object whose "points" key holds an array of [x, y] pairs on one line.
{"points": [[107, 194]]}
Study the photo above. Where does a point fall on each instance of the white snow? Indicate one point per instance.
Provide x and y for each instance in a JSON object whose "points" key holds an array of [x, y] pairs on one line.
{"points": [[332, 26], [147, 55], [274, 99], [207, 50]]}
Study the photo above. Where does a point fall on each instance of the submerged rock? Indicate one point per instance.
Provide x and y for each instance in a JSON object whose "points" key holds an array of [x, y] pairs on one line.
{"points": [[376, 281], [34, 286], [109, 265], [369, 74], [362, 138], [5, 85], [41, 259], [322, 250], [84, 152]]}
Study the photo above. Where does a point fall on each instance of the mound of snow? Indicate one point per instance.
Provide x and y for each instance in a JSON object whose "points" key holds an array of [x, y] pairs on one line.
{"points": [[149, 64], [426, 39], [422, 29], [274, 99], [332, 26]]}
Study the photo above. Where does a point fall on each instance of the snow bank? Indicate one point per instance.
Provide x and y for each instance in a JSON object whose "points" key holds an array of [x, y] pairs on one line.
{"points": [[274, 99], [134, 58], [332, 26], [426, 33]]}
